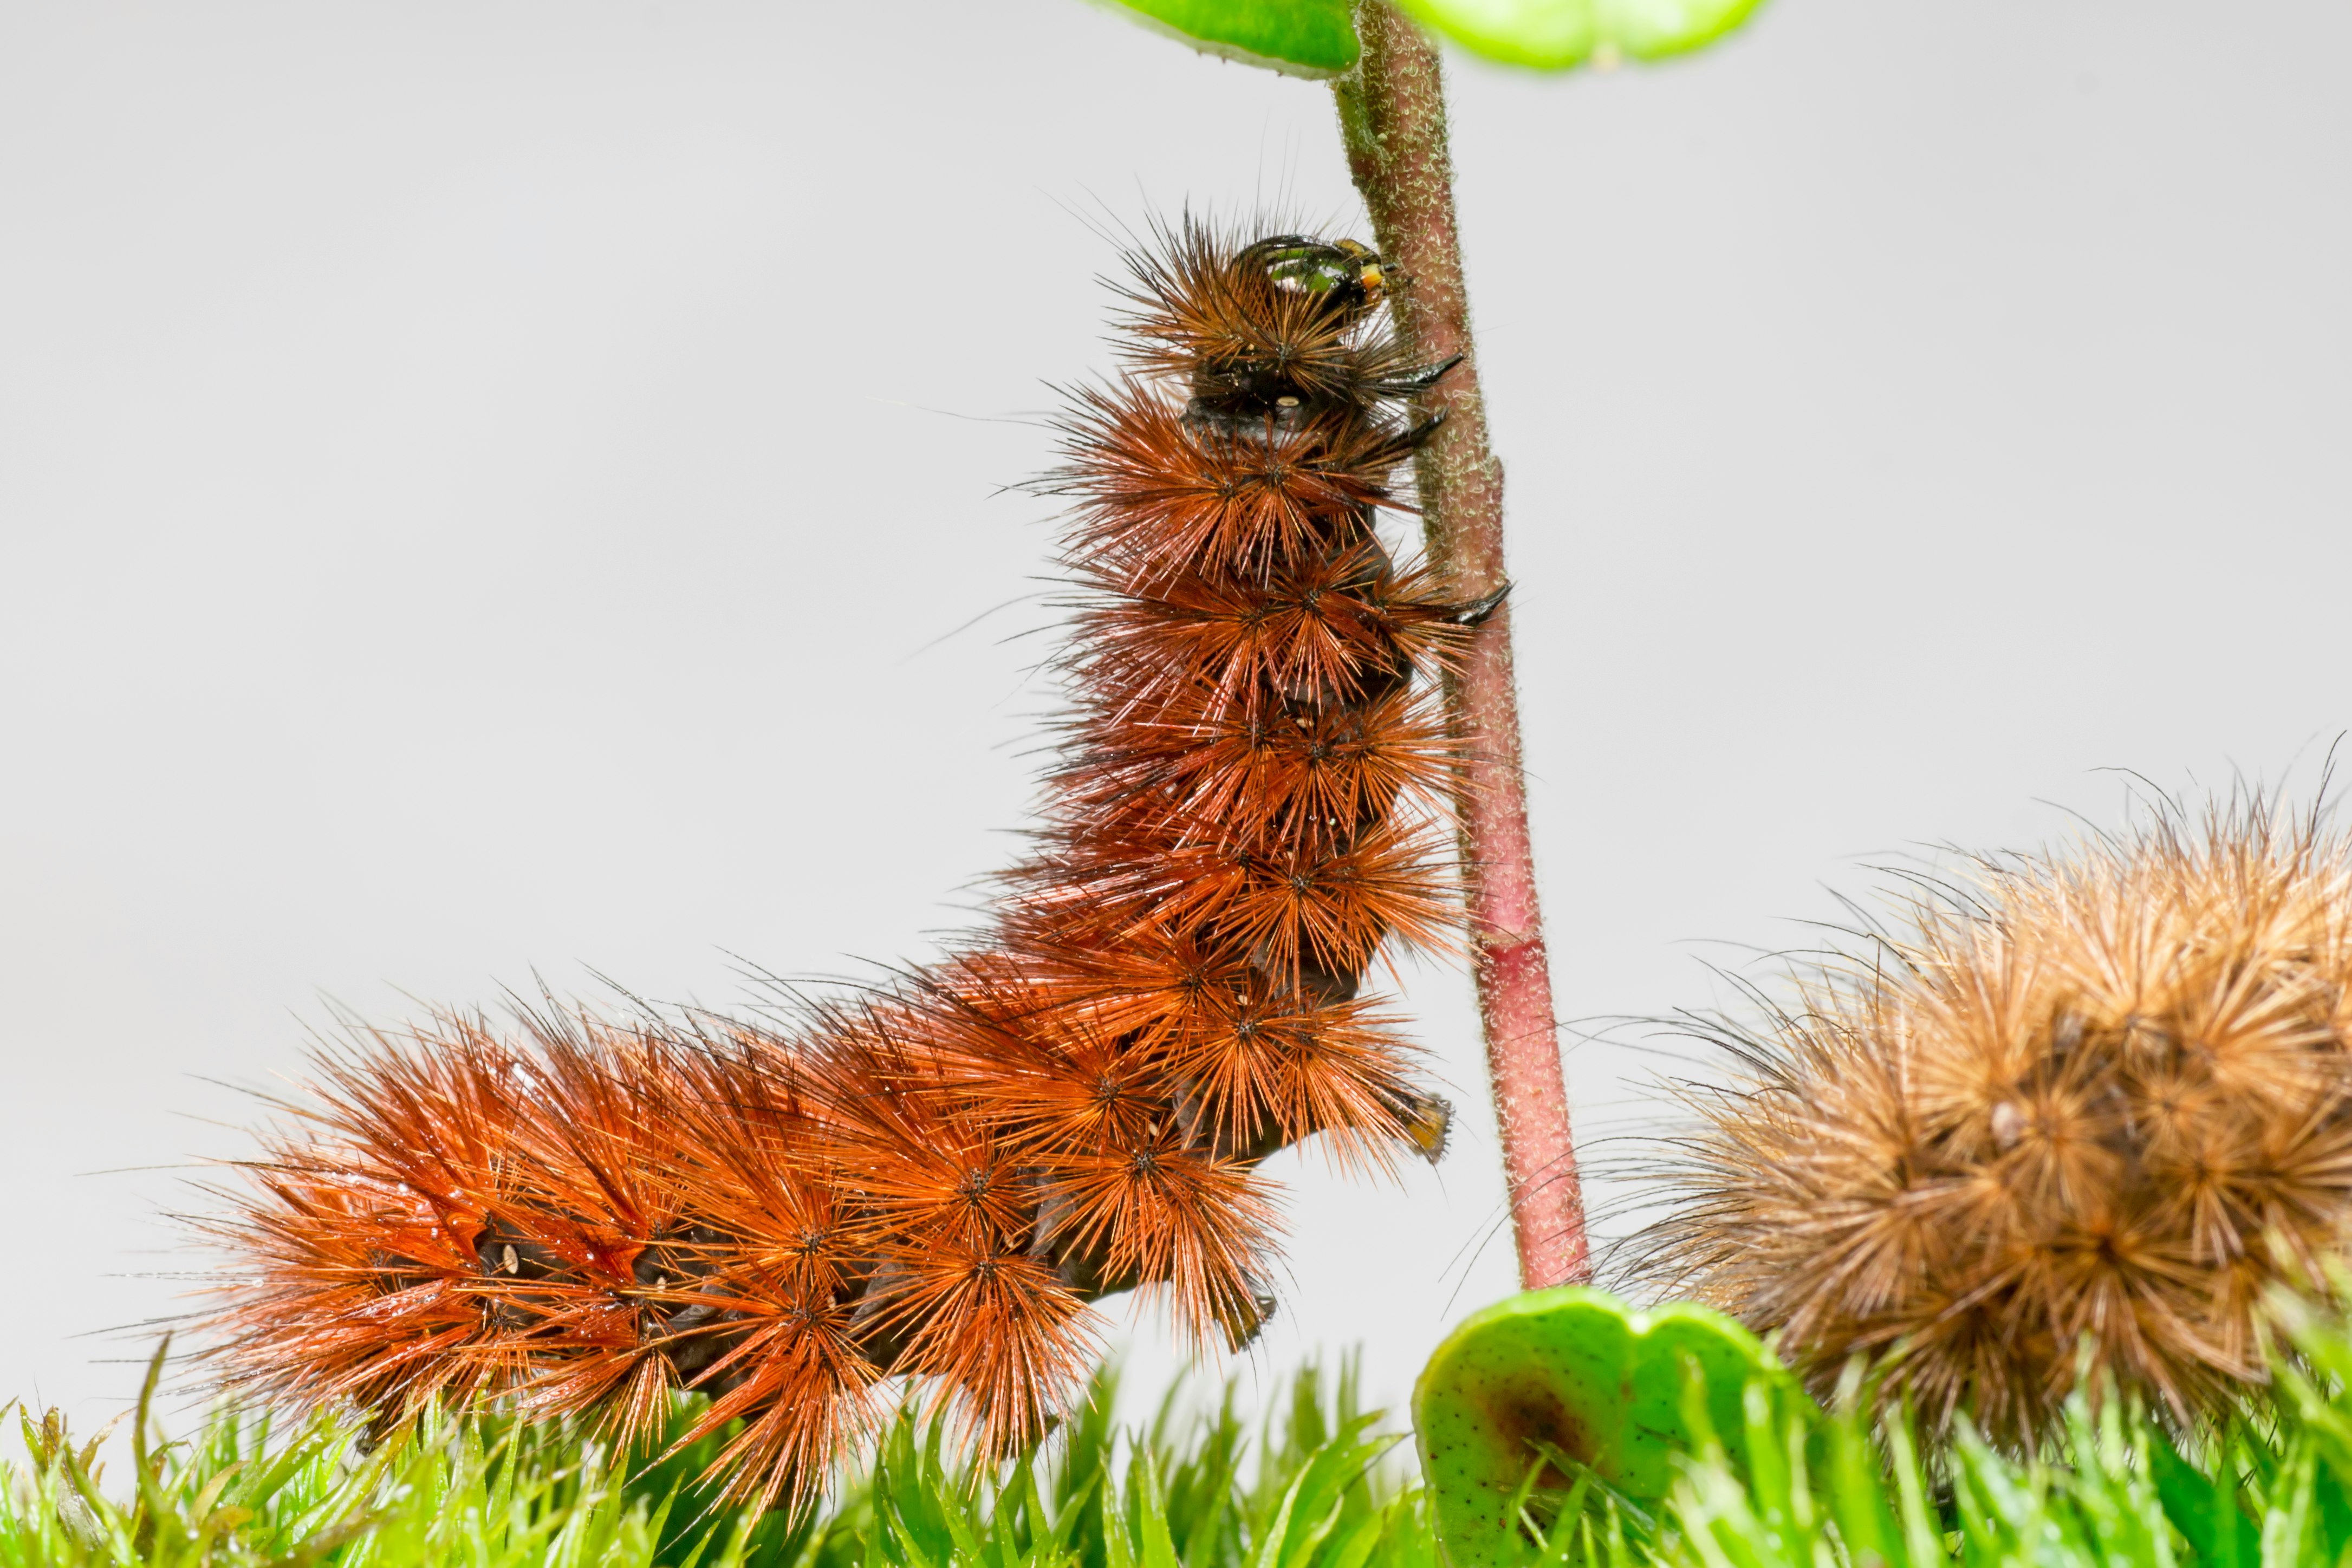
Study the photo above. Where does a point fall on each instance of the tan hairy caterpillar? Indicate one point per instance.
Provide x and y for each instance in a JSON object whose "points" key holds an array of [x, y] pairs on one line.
{"points": [[935, 1178], [2071, 1124]]}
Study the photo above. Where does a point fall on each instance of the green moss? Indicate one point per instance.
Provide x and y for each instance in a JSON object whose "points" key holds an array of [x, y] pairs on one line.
{"points": [[1733, 1471]]}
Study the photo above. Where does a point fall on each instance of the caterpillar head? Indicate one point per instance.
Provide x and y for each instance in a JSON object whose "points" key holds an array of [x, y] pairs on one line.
{"points": [[1344, 275], [1272, 332]]}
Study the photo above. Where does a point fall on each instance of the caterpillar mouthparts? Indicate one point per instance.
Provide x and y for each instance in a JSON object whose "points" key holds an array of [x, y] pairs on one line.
{"points": [[935, 1180]]}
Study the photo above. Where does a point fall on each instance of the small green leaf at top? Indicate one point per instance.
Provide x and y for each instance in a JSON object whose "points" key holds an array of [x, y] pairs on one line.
{"points": [[1298, 37], [1570, 1387], [1556, 34]]}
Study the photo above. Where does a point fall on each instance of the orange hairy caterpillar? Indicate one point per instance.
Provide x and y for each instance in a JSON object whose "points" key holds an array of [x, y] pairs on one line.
{"points": [[2084, 1115], [934, 1179]]}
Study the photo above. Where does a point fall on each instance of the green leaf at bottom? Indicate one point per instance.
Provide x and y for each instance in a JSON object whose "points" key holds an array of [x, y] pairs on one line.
{"points": [[1576, 1375]]}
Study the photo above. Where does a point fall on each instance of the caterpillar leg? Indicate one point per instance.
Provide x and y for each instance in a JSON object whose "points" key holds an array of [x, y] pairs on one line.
{"points": [[1419, 380], [1479, 611]]}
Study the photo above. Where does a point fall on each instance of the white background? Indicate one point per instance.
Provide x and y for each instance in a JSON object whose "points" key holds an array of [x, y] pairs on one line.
{"points": [[468, 506]]}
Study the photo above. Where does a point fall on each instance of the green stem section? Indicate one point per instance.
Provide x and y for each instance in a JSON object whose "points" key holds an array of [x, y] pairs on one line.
{"points": [[1393, 115]]}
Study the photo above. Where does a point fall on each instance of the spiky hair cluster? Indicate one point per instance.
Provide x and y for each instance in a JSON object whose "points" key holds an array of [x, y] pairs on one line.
{"points": [[934, 1179], [2081, 1115]]}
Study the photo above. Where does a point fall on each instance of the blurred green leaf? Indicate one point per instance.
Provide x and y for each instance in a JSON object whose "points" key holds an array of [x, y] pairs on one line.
{"points": [[1298, 37], [1318, 38], [1555, 34], [1578, 1376], [2204, 1507]]}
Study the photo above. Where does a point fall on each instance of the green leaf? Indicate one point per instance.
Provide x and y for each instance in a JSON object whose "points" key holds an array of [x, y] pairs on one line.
{"points": [[1554, 35], [1297, 37], [1576, 1373], [1158, 1547], [2203, 1508]]}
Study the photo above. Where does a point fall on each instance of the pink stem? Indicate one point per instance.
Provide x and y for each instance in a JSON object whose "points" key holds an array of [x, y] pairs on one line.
{"points": [[1392, 114]]}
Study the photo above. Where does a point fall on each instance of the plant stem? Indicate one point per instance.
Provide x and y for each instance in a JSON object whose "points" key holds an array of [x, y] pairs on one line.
{"points": [[1393, 115]]}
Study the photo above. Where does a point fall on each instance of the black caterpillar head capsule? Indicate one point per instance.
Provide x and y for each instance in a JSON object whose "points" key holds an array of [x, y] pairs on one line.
{"points": [[1345, 273]]}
